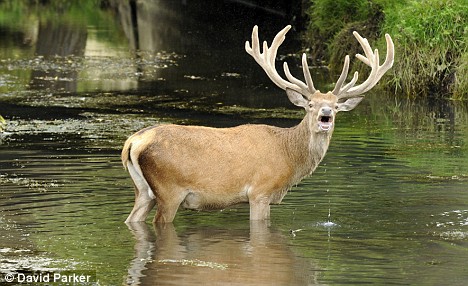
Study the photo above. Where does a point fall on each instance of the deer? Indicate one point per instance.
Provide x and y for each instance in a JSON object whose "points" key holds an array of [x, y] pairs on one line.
{"points": [[206, 168]]}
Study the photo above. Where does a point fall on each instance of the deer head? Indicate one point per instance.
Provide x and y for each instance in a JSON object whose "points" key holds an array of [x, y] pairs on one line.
{"points": [[321, 107]]}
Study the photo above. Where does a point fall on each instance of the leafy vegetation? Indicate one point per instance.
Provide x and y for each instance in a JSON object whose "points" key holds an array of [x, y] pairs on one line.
{"points": [[430, 40], [330, 17], [432, 46], [2, 123]]}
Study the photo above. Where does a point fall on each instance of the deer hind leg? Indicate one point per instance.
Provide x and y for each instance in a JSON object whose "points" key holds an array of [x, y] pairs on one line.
{"points": [[144, 197]]}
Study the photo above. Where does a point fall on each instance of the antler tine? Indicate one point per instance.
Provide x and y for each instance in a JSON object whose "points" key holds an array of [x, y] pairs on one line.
{"points": [[390, 57], [266, 60], [305, 68], [371, 59], [342, 78], [307, 76], [292, 79]]}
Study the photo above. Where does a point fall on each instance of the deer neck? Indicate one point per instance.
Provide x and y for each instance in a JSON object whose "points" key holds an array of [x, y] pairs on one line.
{"points": [[306, 147]]}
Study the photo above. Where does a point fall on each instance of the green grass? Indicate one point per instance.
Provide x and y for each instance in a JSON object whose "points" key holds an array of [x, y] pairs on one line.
{"points": [[328, 17], [430, 41], [430, 38], [2, 123]]}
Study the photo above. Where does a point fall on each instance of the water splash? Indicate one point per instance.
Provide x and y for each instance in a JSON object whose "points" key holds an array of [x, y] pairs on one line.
{"points": [[328, 223]]}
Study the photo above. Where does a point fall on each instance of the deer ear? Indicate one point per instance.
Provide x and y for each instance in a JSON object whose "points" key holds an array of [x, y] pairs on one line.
{"points": [[349, 104], [298, 99]]}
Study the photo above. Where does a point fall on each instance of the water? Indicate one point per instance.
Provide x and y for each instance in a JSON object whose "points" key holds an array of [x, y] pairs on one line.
{"points": [[388, 205]]}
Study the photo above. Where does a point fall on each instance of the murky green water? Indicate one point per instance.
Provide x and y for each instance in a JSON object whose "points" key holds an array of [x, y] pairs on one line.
{"points": [[388, 205]]}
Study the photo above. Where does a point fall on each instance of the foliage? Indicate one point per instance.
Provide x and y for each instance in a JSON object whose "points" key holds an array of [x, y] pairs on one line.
{"points": [[21, 14], [328, 17], [431, 48], [2, 123], [460, 88], [431, 53]]}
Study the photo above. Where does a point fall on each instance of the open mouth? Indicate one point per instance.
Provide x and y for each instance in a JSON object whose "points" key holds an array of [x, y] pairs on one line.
{"points": [[325, 123]]}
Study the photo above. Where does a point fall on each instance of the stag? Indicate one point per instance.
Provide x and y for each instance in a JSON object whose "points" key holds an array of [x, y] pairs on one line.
{"points": [[203, 168]]}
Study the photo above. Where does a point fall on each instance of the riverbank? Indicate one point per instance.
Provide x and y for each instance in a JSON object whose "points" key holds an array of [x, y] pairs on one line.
{"points": [[430, 41]]}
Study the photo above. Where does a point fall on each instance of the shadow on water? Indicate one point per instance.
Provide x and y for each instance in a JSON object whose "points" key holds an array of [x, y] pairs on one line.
{"points": [[77, 79]]}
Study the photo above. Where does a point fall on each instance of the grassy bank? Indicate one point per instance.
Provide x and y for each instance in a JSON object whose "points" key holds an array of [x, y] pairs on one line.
{"points": [[430, 40], [2, 123]]}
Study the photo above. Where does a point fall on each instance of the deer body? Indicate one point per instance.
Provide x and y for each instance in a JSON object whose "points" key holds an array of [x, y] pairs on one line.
{"points": [[205, 168]]}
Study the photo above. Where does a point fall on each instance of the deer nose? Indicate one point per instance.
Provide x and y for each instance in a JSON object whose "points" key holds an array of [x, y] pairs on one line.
{"points": [[327, 111]]}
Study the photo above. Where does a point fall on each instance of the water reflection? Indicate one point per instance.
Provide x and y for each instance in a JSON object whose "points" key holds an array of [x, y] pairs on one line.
{"points": [[255, 256], [151, 25]]}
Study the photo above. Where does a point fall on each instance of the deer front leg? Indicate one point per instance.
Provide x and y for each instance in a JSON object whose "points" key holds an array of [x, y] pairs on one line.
{"points": [[260, 209], [168, 202], [165, 213]]}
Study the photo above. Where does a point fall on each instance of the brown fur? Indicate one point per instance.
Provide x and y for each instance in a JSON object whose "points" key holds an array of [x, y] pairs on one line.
{"points": [[207, 168]]}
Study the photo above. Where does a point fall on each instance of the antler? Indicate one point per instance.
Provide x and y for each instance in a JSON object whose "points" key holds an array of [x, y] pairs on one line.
{"points": [[266, 60], [371, 59]]}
